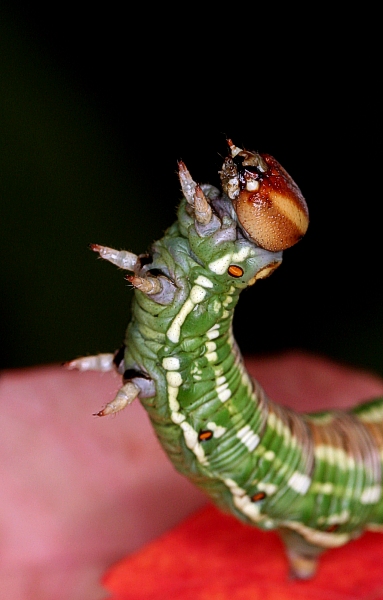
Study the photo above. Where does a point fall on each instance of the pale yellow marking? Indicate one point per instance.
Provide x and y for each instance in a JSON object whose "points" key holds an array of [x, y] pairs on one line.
{"points": [[220, 380], [243, 502], [197, 294], [171, 363], [342, 517], [220, 265], [191, 440], [269, 488], [334, 456], [242, 254], [212, 335], [173, 402], [249, 508], [204, 281], [269, 455], [197, 377], [222, 387], [174, 379], [234, 487], [371, 494], [248, 437], [299, 482], [229, 299], [211, 346], [323, 488], [174, 330], [177, 417], [224, 395], [321, 538], [218, 430], [216, 306], [225, 314], [281, 429], [212, 356]]}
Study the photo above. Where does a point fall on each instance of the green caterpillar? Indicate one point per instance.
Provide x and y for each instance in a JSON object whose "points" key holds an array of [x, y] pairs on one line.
{"points": [[315, 478]]}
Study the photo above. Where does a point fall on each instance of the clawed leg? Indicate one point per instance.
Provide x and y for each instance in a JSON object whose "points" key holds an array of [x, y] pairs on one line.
{"points": [[104, 363], [98, 362], [302, 556], [124, 397], [121, 258]]}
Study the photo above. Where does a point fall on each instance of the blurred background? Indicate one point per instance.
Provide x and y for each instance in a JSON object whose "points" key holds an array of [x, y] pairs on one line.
{"points": [[96, 109]]}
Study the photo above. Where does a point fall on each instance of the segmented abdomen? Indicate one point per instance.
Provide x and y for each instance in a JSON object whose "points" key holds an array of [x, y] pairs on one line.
{"points": [[264, 462]]}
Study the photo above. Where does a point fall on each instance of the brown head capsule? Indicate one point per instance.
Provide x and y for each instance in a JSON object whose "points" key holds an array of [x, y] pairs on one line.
{"points": [[269, 205]]}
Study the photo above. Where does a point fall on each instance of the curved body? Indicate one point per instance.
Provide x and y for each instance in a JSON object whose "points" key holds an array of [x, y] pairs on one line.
{"points": [[317, 478]]}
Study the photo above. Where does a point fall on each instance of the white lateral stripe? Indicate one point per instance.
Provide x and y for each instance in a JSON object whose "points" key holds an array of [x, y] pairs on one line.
{"points": [[171, 363], [204, 281], [218, 430], [299, 482], [248, 437], [220, 265], [371, 494], [242, 253], [224, 395], [174, 379], [211, 335], [197, 294], [174, 330]]}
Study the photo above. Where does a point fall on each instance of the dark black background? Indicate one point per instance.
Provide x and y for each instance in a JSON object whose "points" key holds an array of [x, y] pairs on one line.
{"points": [[97, 106]]}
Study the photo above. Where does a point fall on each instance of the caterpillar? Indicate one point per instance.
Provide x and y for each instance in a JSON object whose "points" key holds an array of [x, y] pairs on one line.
{"points": [[315, 478]]}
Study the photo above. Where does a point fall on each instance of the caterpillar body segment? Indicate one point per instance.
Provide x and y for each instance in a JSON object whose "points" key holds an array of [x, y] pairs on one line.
{"points": [[315, 478]]}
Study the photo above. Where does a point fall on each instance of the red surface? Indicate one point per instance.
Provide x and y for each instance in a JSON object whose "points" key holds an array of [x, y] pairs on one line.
{"points": [[212, 556]]}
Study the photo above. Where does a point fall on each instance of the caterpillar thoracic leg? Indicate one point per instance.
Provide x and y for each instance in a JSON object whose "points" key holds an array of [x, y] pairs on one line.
{"points": [[125, 396], [121, 258], [98, 362]]}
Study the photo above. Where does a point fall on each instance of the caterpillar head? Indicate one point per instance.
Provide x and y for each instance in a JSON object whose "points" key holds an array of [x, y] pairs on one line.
{"points": [[269, 205], [241, 233]]}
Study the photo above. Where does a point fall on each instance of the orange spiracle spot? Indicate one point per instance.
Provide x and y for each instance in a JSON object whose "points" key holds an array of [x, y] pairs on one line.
{"points": [[204, 435], [258, 496], [271, 209], [235, 271]]}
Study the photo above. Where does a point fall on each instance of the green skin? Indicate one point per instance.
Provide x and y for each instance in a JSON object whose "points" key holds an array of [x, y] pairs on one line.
{"points": [[317, 476]]}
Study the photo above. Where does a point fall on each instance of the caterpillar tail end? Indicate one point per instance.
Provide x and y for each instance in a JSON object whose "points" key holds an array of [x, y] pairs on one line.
{"points": [[301, 567], [124, 397], [301, 555]]}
